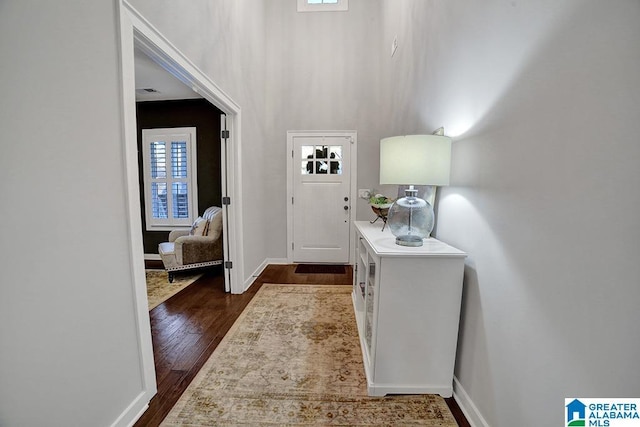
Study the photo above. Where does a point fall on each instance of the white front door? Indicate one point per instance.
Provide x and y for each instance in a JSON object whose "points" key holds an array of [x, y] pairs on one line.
{"points": [[321, 196]]}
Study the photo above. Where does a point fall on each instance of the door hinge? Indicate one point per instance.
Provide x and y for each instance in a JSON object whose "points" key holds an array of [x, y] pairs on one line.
{"points": [[292, 154], [224, 134], [291, 245], [226, 201], [228, 264], [292, 200]]}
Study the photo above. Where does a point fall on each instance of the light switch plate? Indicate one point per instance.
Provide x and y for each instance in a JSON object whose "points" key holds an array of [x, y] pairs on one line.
{"points": [[364, 193]]}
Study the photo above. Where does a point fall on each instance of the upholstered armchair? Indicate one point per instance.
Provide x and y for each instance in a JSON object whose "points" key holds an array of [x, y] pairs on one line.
{"points": [[196, 248]]}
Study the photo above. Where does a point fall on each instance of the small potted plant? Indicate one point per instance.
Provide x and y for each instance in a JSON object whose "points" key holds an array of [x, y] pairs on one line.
{"points": [[380, 205]]}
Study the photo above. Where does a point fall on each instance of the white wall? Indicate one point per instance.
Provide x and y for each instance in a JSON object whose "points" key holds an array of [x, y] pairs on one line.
{"points": [[542, 98], [322, 75], [543, 101], [287, 71], [69, 351]]}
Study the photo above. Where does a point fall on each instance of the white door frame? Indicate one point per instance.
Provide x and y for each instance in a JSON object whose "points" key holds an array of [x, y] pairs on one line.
{"points": [[136, 31], [352, 187], [143, 35]]}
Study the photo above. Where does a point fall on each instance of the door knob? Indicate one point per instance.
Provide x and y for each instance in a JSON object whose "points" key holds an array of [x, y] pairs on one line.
{"points": [[346, 208], [346, 199]]}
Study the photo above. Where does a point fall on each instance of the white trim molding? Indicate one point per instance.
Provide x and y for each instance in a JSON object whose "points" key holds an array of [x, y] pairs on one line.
{"points": [[468, 408], [135, 30], [136, 247], [130, 416], [164, 53], [260, 269]]}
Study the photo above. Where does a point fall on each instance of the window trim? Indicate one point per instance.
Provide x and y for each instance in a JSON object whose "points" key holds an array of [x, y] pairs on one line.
{"points": [[169, 135], [340, 6]]}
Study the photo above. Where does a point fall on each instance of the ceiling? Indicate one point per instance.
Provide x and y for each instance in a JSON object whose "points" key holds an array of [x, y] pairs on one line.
{"points": [[152, 77]]}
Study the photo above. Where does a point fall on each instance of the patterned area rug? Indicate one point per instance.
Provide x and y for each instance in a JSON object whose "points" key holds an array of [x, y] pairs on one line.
{"points": [[159, 289], [293, 358]]}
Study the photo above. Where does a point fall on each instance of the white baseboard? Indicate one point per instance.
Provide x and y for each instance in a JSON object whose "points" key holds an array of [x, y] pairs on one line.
{"points": [[276, 261], [134, 411], [467, 406], [152, 257], [260, 269]]}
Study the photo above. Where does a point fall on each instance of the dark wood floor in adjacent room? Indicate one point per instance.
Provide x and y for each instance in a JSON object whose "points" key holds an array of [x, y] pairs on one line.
{"points": [[189, 326]]}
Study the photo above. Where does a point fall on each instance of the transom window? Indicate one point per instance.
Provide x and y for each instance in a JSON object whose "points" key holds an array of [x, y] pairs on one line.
{"points": [[323, 5], [170, 178], [321, 159]]}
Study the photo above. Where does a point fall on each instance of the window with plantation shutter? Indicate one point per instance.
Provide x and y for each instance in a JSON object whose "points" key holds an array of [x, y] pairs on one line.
{"points": [[170, 184]]}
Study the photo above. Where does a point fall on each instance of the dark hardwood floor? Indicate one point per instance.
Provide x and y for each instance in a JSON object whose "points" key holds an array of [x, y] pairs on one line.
{"points": [[189, 326]]}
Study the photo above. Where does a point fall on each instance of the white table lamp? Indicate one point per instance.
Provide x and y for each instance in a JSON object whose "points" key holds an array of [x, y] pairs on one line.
{"points": [[413, 160]]}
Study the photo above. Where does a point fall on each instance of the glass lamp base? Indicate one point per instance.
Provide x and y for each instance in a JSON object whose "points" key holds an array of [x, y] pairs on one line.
{"points": [[410, 219], [409, 240]]}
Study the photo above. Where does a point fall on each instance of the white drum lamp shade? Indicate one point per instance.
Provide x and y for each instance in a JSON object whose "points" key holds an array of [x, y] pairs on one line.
{"points": [[413, 160]]}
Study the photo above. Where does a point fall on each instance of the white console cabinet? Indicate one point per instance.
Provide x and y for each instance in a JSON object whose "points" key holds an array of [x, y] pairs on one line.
{"points": [[407, 305]]}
